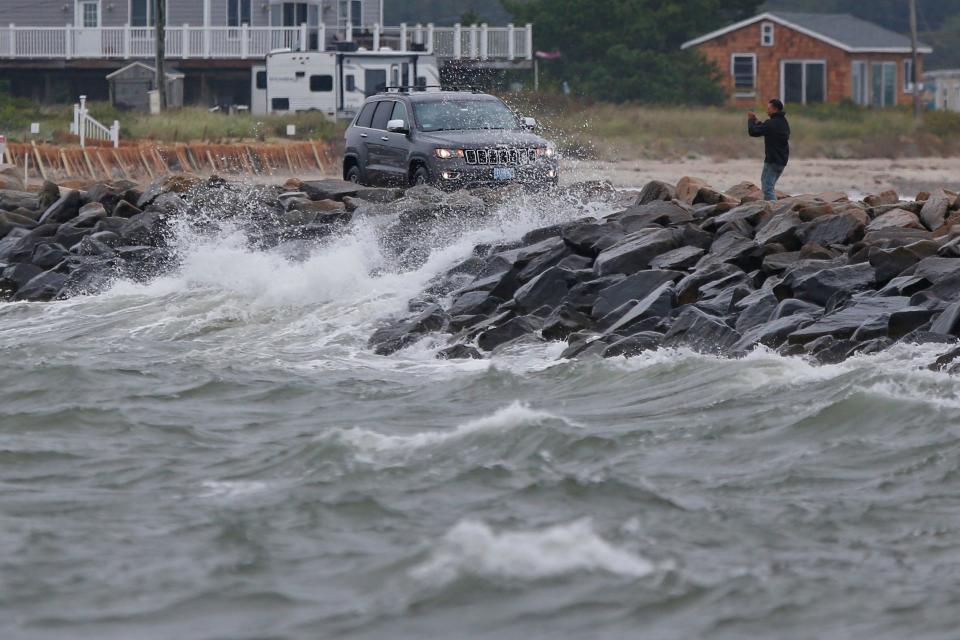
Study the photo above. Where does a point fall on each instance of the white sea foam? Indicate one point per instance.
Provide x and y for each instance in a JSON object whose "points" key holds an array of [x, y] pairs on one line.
{"points": [[230, 488], [473, 548], [514, 416]]}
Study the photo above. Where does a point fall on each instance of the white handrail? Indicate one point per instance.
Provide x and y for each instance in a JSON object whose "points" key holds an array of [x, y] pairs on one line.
{"points": [[85, 126], [189, 42]]}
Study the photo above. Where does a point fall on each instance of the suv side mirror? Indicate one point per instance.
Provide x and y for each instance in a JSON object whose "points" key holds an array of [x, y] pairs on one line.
{"points": [[529, 123], [398, 126]]}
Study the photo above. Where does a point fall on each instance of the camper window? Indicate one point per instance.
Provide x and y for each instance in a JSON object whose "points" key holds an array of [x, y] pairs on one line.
{"points": [[382, 116], [321, 84], [366, 116], [280, 104], [351, 83], [261, 79]]}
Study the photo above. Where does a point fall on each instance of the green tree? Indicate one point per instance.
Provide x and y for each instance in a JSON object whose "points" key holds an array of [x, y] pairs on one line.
{"points": [[630, 49], [471, 17]]}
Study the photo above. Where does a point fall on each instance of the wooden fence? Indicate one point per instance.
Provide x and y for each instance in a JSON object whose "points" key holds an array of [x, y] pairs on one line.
{"points": [[146, 161]]}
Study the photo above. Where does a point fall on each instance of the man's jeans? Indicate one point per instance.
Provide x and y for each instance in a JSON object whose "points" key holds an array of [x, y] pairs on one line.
{"points": [[768, 181]]}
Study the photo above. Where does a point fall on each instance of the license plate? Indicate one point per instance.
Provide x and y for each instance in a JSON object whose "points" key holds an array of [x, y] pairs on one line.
{"points": [[500, 173]]}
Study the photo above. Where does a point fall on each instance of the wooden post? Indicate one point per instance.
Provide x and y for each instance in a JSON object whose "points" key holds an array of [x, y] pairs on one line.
{"points": [[160, 30], [917, 112], [36, 152]]}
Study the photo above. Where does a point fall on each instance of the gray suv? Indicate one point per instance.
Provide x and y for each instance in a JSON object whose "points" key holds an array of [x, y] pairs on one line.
{"points": [[449, 139]]}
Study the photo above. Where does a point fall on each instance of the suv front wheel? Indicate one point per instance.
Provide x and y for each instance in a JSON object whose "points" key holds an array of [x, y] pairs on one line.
{"points": [[353, 174], [420, 176]]}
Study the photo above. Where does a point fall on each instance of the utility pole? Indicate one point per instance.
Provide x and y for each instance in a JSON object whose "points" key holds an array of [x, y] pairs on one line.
{"points": [[160, 29], [915, 81]]}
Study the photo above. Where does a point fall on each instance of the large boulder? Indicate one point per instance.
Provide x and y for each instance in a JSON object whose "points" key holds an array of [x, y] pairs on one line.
{"points": [[688, 188], [42, 287], [701, 332], [896, 218], [843, 322], [821, 284], [634, 287], [63, 209], [657, 304], [656, 190], [934, 210], [635, 252], [330, 189], [844, 228], [398, 335], [782, 229], [549, 288], [502, 333], [145, 228]]}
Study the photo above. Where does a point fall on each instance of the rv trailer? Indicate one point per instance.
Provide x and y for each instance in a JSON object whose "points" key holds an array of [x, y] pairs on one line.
{"points": [[337, 82]]}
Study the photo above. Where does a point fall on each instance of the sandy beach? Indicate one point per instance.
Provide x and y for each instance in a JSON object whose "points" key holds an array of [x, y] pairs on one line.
{"points": [[803, 175]]}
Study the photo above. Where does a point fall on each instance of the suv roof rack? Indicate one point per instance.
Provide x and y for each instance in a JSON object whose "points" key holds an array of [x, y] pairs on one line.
{"points": [[421, 87]]}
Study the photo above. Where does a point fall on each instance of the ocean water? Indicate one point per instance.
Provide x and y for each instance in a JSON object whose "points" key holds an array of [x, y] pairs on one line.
{"points": [[216, 455]]}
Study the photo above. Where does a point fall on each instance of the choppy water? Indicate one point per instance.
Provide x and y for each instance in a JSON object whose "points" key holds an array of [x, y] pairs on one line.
{"points": [[216, 455]]}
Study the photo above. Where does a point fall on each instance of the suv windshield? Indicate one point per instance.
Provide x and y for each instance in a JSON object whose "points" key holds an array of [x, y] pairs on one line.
{"points": [[464, 114]]}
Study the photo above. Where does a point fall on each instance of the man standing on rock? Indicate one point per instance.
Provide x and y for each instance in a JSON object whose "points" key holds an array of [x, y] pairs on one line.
{"points": [[776, 141]]}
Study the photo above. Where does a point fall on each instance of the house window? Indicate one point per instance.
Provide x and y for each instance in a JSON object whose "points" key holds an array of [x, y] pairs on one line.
{"points": [[908, 77], [803, 81], [141, 13], [766, 34], [861, 83], [743, 66], [321, 84], [238, 13], [883, 84], [89, 14]]}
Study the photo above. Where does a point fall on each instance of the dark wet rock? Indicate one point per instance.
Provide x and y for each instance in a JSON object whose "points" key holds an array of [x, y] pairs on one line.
{"points": [[583, 295], [946, 361], [552, 258], [549, 288], [474, 303], [91, 246], [14, 277], [688, 289], [948, 322], [124, 209], [11, 200], [539, 235], [701, 332], [903, 321], [64, 209], [843, 322], [69, 235], [563, 321], [590, 238], [934, 210], [105, 195], [330, 189], [146, 228], [656, 190], [634, 287], [459, 352], [821, 284], [725, 300], [11, 221], [772, 333], [889, 263], [760, 308], [834, 229], [783, 228], [936, 269], [48, 255], [830, 350], [735, 249], [502, 333], [396, 336], [653, 214], [500, 285], [896, 218], [904, 286], [636, 251], [678, 259], [111, 224], [633, 345], [656, 304], [42, 287], [89, 214]]}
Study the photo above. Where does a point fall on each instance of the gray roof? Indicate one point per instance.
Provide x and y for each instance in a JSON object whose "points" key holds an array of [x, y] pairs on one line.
{"points": [[848, 30], [839, 29]]}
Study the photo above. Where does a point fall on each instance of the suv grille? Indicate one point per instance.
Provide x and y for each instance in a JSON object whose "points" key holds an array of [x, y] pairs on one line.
{"points": [[500, 155]]}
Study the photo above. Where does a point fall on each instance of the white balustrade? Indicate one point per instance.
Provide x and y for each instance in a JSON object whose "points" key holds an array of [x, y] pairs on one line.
{"points": [[191, 42]]}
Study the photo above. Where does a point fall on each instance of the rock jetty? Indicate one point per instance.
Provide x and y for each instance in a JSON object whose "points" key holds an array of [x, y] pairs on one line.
{"points": [[721, 273], [674, 265]]}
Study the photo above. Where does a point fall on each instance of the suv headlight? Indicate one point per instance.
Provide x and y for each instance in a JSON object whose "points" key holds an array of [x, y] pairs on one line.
{"points": [[546, 152], [446, 154]]}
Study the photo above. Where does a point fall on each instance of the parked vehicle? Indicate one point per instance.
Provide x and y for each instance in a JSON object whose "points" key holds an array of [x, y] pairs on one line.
{"points": [[450, 139], [336, 82]]}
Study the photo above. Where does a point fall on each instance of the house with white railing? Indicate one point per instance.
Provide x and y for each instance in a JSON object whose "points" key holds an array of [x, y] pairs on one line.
{"points": [[53, 50]]}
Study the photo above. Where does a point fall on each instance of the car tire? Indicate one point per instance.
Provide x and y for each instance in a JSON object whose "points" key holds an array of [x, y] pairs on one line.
{"points": [[420, 176], [353, 174]]}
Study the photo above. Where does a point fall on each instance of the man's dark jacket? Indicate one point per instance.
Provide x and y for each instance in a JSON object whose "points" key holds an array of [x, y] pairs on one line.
{"points": [[776, 138]]}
